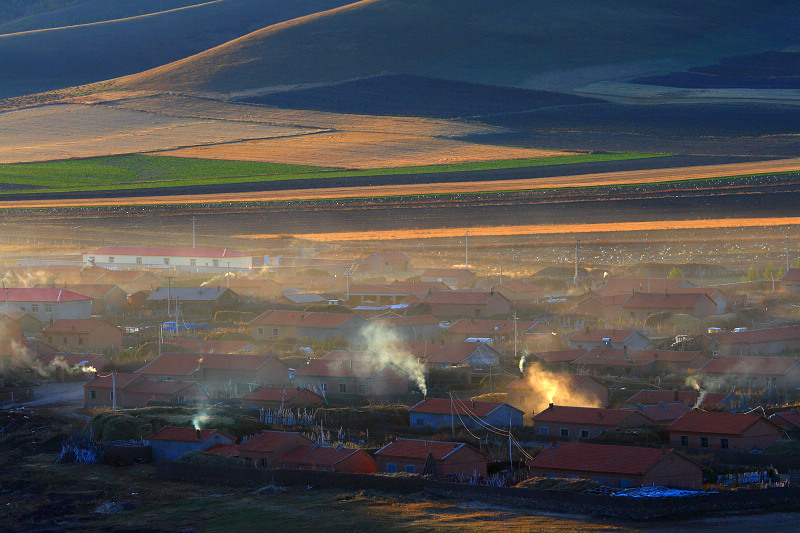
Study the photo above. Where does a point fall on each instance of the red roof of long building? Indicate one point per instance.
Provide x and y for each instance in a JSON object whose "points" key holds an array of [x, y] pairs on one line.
{"points": [[42, 295], [584, 415], [443, 406], [419, 449], [338, 368], [318, 455], [753, 364], [158, 251], [716, 422], [597, 335], [664, 300], [269, 441], [600, 458]]}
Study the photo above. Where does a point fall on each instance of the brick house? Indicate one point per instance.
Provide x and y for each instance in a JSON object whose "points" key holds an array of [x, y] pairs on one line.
{"points": [[495, 330], [83, 334], [254, 289], [264, 450], [375, 295], [618, 466], [663, 413], [281, 397], [130, 281], [440, 413], [718, 430], [791, 280], [557, 360], [473, 354], [630, 285], [204, 301], [476, 304], [641, 363], [272, 325], [608, 338], [348, 378], [750, 373], [99, 392], [29, 326], [576, 387], [520, 292], [106, 299], [435, 458], [584, 422], [455, 278], [643, 304], [134, 391], [788, 420], [171, 442], [386, 263], [328, 459]]}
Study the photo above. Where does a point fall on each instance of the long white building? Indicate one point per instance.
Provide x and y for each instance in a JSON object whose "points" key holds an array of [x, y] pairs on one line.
{"points": [[47, 305], [163, 258]]}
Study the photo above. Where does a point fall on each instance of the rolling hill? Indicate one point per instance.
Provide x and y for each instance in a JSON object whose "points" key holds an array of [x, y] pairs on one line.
{"points": [[42, 60], [513, 43]]}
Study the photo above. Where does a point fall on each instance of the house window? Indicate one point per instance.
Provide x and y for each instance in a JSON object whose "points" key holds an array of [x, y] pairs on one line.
{"points": [[477, 313], [215, 262], [193, 262], [342, 387], [110, 258], [564, 432], [362, 389], [48, 308], [723, 444], [276, 332], [771, 381], [704, 442], [391, 468], [138, 260], [35, 308], [420, 422], [410, 469], [166, 260], [263, 462], [92, 394], [584, 433], [684, 440], [80, 341], [260, 331], [544, 431], [752, 382]]}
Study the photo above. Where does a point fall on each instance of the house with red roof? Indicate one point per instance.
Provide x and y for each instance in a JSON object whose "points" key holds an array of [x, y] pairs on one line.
{"points": [[663, 413], [46, 305], [435, 458], [584, 422], [788, 420], [473, 354], [608, 307], [338, 377], [281, 398], [717, 430], [520, 292], [640, 363], [641, 305], [455, 278], [409, 328], [273, 325], [534, 392], [390, 262], [764, 341], [628, 286], [557, 360], [171, 442], [173, 258], [752, 373], [254, 289], [83, 334], [328, 459], [134, 391], [618, 466], [107, 299], [398, 292], [587, 339], [229, 372], [464, 303], [440, 413], [791, 280], [265, 449]]}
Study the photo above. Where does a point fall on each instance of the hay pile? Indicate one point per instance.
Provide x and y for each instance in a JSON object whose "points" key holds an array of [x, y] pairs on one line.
{"points": [[558, 484]]}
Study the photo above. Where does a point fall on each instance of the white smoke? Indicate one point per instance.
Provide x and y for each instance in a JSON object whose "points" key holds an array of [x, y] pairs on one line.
{"points": [[386, 345], [695, 384]]}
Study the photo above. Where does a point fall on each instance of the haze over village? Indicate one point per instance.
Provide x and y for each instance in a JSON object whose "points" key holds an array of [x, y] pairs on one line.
{"points": [[440, 266]]}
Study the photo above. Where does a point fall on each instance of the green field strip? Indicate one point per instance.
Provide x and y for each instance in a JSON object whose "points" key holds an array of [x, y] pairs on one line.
{"points": [[133, 172]]}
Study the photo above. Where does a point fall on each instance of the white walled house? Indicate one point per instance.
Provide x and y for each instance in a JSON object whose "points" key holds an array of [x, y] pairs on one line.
{"points": [[198, 259], [46, 305]]}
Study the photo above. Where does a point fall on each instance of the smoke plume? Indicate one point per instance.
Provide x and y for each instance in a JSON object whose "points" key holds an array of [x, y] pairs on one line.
{"points": [[695, 384], [546, 387], [387, 347]]}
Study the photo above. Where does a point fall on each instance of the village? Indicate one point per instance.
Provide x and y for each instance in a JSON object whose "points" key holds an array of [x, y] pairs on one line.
{"points": [[213, 363]]}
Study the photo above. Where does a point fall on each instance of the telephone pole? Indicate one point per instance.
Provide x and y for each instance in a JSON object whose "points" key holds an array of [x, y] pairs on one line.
{"points": [[193, 241]]}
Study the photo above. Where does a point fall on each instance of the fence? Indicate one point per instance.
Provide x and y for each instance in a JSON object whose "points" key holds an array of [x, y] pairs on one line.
{"points": [[591, 504]]}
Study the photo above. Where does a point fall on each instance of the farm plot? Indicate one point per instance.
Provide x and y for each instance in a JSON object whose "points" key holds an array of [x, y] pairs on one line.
{"points": [[40, 134]]}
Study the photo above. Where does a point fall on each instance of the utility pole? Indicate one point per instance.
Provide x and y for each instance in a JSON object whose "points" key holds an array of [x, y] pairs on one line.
{"points": [[501, 268], [169, 294], [452, 418], [466, 252], [787, 253], [114, 390], [515, 335], [193, 241], [577, 241]]}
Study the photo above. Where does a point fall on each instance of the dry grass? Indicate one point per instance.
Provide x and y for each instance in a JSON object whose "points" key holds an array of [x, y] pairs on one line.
{"points": [[356, 149]]}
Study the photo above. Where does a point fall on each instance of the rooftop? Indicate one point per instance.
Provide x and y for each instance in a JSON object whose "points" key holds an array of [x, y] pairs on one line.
{"points": [[716, 422], [583, 415], [600, 458], [153, 251], [419, 449]]}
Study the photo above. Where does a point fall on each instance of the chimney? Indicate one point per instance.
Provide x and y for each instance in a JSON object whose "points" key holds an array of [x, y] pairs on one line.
{"points": [[550, 406], [676, 396], [197, 432], [473, 404], [625, 351]]}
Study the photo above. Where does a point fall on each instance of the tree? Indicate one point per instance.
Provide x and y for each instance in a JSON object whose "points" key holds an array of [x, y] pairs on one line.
{"points": [[780, 274], [752, 273], [769, 272], [675, 273]]}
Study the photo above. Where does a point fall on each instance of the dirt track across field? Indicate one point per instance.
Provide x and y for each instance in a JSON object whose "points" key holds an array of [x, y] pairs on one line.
{"points": [[586, 180]]}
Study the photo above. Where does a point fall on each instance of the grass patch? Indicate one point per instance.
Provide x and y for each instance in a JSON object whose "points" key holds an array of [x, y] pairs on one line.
{"points": [[130, 172]]}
